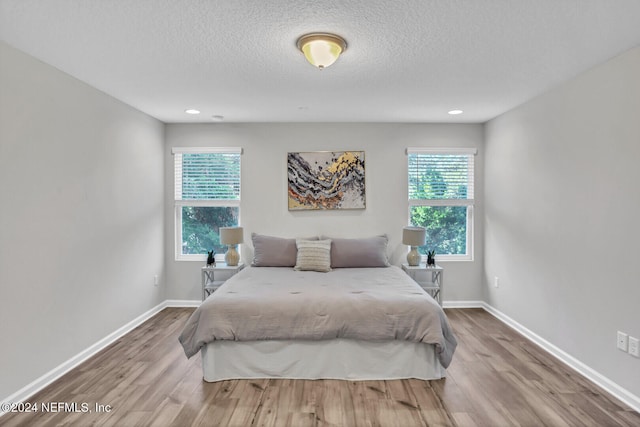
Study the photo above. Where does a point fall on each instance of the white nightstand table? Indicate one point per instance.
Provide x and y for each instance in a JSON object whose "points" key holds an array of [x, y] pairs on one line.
{"points": [[429, 278], [209, 281]]}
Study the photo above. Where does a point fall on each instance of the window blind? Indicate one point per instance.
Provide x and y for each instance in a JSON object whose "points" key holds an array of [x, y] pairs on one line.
{"points": [[441, 176], [207, 174]]}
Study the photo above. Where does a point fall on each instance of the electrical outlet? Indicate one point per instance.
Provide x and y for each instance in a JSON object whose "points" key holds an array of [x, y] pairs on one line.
{"points": [[156, 280], [496, 282], [623, 341], [634, 347]]}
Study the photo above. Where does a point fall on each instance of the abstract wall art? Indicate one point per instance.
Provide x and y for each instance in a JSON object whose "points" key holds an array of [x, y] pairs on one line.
{"points": [[326, 180]]}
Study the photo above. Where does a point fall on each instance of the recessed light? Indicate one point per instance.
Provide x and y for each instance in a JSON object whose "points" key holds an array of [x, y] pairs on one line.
{"points": [[454, 112], [218, 117], [192, 111]]}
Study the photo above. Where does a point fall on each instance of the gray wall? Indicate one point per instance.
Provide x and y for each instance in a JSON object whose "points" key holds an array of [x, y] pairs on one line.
{"points": [[264, 181], [561, 216], [81, 218]]}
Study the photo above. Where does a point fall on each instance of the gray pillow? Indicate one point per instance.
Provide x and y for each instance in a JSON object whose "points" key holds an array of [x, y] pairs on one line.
{"points": [[359, 253], [269, 251]]}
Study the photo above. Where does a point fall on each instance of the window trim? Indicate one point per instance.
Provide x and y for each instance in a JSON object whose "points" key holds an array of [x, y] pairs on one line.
{"points": [[469, 203], [179, 204]]}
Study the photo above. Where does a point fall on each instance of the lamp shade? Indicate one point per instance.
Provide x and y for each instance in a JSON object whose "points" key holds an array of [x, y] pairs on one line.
{"points": [[231, 235], [414, 236]]}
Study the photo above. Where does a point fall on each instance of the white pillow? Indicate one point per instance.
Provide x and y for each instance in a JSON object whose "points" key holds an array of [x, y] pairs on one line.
{"points": [[313, 255]]}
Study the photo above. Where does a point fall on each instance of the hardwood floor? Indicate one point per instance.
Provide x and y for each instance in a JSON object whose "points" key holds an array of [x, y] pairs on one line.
{"points": [[497, 378]]}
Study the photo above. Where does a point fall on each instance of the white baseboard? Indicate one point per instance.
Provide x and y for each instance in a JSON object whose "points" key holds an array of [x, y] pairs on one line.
{"points": [[614, 389], [463, 304], [40, 383], [182, 303]]}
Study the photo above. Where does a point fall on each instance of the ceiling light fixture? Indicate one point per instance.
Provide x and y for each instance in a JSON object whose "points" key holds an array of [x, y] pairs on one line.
{"points": [[192, 111], [321, 49], [454, 112]]}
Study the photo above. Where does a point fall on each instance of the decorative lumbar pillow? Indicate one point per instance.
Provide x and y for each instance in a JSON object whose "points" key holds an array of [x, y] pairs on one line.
{"points": [[313, 255], [359, 253]]}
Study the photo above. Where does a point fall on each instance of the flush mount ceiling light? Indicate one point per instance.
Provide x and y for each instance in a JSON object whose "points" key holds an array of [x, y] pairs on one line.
{"points": [[321, 49], [192, 111]]}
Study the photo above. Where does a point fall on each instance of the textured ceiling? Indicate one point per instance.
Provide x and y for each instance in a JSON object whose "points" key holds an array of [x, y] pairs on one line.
{"points": [[406, 61]]}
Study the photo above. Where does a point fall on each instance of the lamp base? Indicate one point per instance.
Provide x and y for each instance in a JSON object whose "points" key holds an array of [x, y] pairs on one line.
{"points": [[413, 257], [232, 257]]}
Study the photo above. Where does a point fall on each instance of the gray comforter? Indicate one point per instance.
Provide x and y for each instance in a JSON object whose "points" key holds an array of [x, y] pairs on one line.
{"points": [[273, 303]]}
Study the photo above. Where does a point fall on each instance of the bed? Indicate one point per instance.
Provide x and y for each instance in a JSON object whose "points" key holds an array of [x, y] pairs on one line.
{"points": [[343, 323]]}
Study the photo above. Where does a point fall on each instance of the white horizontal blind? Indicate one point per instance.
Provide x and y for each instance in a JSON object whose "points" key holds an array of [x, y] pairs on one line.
{"points": [[441, 176], [207, 174]]}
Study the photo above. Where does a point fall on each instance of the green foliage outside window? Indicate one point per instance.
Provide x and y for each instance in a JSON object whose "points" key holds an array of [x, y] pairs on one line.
{"points": [[440, 178], [446, 228], [201, 225]]}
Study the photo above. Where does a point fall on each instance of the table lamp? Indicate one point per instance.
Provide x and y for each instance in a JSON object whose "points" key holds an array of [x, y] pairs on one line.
{"points": [[232, 237], [414, 237]]}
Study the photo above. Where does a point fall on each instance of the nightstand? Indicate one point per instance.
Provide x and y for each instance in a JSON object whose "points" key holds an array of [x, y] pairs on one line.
{"points": [[210, 283], [429, 278]]}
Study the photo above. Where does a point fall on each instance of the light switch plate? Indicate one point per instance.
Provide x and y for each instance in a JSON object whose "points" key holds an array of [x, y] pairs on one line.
{"points": [[634, 347]]}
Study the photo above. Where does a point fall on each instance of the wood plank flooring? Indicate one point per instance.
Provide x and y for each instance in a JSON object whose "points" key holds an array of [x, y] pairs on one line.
{"points": [[497, 378]]}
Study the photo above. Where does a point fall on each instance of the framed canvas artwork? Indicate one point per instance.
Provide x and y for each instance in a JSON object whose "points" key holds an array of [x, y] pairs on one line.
{"points": [[326, 180]]}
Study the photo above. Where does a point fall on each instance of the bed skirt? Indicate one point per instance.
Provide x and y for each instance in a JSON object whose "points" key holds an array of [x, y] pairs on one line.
{"points": [[330, 359]]}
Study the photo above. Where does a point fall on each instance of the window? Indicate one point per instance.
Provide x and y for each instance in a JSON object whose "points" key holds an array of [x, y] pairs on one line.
{"points": [[441, 199], [207, 197]]}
